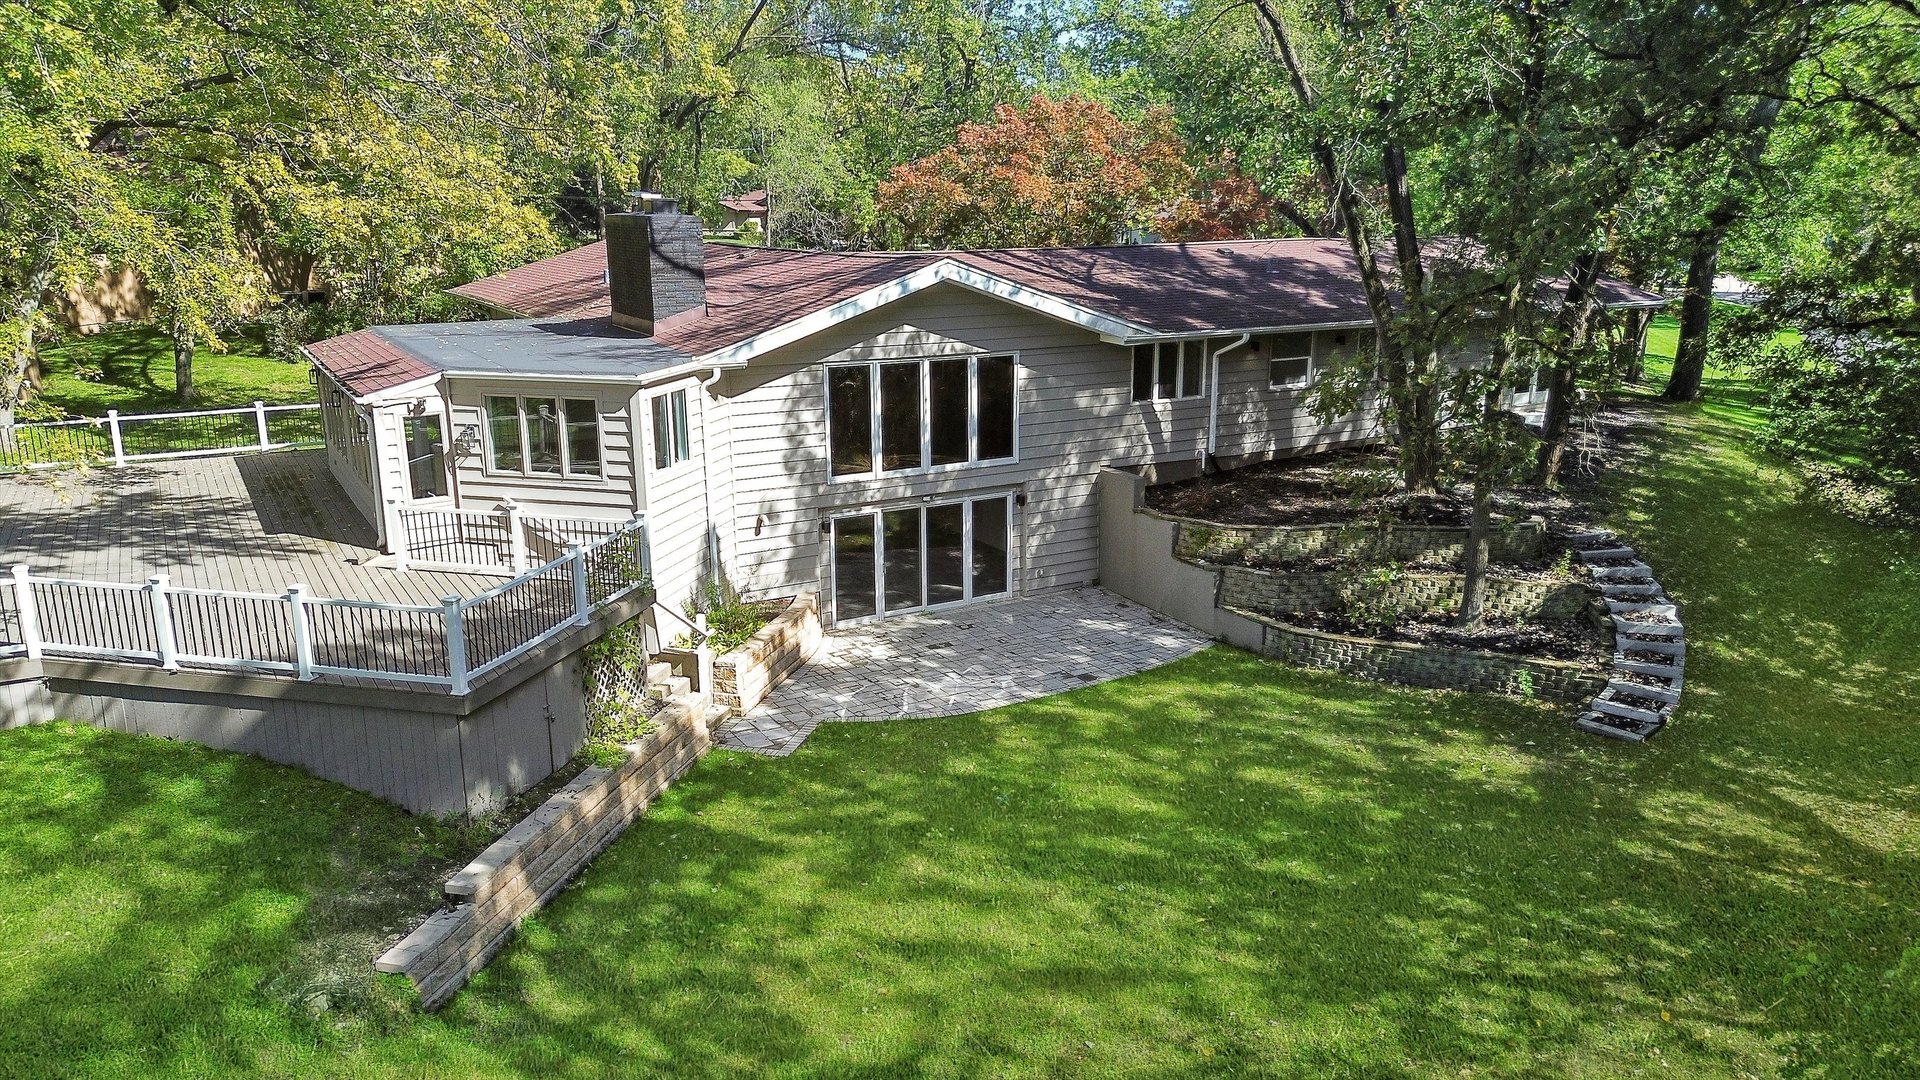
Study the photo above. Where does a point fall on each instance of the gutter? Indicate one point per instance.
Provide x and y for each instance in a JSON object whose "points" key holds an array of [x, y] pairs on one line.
{"points": [[1213, 402]]}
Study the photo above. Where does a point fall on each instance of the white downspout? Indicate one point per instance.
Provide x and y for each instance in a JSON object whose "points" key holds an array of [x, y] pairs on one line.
{"points": [[1213, 403], [706, 474]]}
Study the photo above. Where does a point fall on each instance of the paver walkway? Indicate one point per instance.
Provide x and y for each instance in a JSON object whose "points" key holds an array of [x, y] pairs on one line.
{"points": [[961, 661]]}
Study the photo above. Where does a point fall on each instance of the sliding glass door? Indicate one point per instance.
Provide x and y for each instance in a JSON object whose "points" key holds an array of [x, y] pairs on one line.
{"points": [[892, 561]]}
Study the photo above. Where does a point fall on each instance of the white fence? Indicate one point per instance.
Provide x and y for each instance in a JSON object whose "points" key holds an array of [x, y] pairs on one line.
{"points": [[448, 645], [114, 439], [505, 540]]}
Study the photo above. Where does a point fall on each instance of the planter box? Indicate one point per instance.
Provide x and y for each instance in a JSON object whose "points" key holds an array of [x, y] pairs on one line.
{"points": [[744, 677]]}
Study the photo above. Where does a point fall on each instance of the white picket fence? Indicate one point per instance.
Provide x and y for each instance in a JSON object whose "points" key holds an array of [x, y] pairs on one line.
{"points": [[449, 645], [115, 439]]}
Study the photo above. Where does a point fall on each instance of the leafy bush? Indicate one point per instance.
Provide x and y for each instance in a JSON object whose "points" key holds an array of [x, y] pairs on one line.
{"points": [[730, 620]]}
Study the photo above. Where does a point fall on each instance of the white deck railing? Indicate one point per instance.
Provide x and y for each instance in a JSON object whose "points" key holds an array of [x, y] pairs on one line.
{"points": [[447, 645], [114, 439], [505, 540]]}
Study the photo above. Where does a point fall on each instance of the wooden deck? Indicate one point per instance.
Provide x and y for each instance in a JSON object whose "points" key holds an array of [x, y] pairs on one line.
{"points": [[251, 523]]}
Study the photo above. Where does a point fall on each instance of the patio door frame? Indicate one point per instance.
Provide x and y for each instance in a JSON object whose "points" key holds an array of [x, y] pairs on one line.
{"points": [[876, 517]]}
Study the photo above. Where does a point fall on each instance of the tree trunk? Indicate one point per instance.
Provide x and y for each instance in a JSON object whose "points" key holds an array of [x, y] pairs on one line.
{"points": [[1696, 316], [1473, 600], [1635, 347], [1576, 314], [182, 335], [14, 380]]}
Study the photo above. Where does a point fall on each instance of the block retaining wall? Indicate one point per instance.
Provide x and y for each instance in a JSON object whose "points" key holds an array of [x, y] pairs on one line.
{"points": [[1269, 592], [1433, 666], [744, 677], [1212, 542], [521, 871]]}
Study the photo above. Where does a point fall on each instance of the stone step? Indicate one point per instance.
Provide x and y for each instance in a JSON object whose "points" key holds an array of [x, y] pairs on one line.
{"points": [[1592, 724], [1622, 607], [1614, 708], [658, 672], [1638, 571], [1676, 671], [1645, 629], [1656, 693], [1677, 649], [1597, 538], [671, 687], [1632, 588], [1607, 554]]}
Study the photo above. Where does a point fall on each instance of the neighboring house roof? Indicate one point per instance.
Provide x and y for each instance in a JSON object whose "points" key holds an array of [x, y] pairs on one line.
{"points": [[753, 202], [760, 298]]}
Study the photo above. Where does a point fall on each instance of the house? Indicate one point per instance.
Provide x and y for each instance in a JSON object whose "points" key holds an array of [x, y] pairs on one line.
{"points": [[897, 430], [740, 209]]}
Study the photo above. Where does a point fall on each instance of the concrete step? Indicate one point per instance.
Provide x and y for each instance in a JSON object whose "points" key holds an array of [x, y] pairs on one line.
{"points": [[669, 688], [1594, 725], [1638, 571], [1623, 607], [1676, 671], [1676, 648], [1643, 629], [1614, 708], [1632, 588], [1595, 539], [1655, 693], [658, 671], [1607, 554]]}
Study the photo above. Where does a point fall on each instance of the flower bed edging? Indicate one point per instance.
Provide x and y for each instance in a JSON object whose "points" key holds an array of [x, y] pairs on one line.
{"points": [[1434, 667], [743, 678], [1214, 542], [517, 874], [1275, 592]]}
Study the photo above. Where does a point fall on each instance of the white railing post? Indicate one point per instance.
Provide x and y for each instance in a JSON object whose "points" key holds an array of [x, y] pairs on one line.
{"points": [[163, 622], [399, 539], [114, 436], [260, 423], [702, 654], [456, 642], [582, 606], [516, 537], [29, 615], [302, 632]]}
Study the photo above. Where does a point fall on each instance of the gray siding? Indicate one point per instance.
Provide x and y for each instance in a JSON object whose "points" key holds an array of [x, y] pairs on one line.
{"points": [[1258, 421], [1075, 416], [676, 500], [478, 487]]}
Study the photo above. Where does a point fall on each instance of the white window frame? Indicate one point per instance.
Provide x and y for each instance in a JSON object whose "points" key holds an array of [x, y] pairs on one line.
{"points": [[874, 433], [877, 515], [1185, 351], [525, 472], [679, 430], [1274, 356]]}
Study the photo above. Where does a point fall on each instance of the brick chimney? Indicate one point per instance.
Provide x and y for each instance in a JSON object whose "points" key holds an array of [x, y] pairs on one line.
{"points": [[656, 266]]}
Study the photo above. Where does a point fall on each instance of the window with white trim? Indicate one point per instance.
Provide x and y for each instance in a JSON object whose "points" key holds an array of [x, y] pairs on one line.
{"points": [[893, 416], [1290, 364], [543, 436], [671, 444], [1169, 370]]}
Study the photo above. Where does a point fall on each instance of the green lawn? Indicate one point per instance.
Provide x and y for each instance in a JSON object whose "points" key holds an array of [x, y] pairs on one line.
{"points": [[1224, 866], [134, 367]]}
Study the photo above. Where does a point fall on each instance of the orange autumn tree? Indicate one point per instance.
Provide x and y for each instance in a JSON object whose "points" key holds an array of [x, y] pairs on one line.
{"points": [[1055, 174]]}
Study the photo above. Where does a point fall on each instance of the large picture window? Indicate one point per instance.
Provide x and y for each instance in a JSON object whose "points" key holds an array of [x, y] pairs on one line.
{"points": [[543, 436], [1169, 370], [900, 415]]}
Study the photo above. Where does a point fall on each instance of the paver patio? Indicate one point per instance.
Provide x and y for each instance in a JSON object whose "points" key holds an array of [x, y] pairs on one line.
{"points": [[962, 660]]}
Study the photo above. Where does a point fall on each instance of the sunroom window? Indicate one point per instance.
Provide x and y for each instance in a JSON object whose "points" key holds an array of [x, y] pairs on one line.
{"points": [[543, 436], [900, 415]]}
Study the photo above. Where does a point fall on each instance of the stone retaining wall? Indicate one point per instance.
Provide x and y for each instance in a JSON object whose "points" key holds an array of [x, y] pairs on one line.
{"points": [[1271, 592], [522, 870], [1211, 542], [1433, 666], [744, 677]]}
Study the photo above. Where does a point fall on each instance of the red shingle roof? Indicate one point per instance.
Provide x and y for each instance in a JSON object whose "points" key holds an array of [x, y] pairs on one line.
{"points": [[753, 202], [362, 362], [571, 283]]}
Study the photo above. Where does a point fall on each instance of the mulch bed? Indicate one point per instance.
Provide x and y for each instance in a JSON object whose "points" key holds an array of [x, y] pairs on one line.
{"points": [[1573, 640]]}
